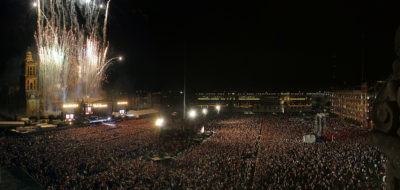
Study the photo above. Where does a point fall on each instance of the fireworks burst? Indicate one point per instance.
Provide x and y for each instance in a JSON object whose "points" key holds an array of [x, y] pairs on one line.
{"points": [[72, 47]]}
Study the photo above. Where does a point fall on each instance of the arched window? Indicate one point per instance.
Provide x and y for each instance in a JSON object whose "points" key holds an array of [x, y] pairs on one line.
{"points": [[30, 86]]}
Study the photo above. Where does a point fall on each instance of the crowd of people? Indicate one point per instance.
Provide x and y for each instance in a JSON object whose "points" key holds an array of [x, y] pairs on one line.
{"points": [[223, 161], [286, 162], [245, 152]]}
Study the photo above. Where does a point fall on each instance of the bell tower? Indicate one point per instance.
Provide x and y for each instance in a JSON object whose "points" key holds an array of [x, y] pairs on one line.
{"points": [[31, 86]]}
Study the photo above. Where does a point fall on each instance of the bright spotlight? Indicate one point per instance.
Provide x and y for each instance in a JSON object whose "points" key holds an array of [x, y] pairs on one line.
{"points": [[192, 114], [204, 111], [101, 6], [218, 107], [34, 4], [70, 105], [159, 122], [120, 58], [100, 105]]}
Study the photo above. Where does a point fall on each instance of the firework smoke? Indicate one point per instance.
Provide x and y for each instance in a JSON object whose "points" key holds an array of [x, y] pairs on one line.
{"points": [[72, 48]]}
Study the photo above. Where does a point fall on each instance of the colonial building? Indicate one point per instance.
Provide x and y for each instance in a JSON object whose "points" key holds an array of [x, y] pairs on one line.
{"points": [[352, 104], [31, 86]]}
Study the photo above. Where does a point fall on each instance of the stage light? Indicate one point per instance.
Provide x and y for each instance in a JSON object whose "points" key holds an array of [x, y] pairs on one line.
{"points": [[100, 105], [69, 117], [70, 105], [89, 110]]}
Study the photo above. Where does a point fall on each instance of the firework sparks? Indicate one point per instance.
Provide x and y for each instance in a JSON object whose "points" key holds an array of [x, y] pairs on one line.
{"points": [[72, 47]]}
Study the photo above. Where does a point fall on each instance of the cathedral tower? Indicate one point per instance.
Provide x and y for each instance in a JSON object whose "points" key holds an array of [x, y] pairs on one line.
{"points": [[31, 86]]}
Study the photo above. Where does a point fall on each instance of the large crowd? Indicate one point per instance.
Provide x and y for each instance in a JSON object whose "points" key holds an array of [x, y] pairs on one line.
{"points": [[245, 152], [347, 162]]}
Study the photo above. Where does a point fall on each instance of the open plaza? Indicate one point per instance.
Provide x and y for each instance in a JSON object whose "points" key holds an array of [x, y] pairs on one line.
{"points": [[245, 152]]}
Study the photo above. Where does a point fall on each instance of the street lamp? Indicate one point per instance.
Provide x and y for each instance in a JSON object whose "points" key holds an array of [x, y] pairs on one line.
{"points": [[204, 111], [159, 122], [218, 108], [192, 114]]}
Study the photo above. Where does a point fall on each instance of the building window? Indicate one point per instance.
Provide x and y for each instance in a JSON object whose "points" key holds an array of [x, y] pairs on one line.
{"points": [[30, 86]]}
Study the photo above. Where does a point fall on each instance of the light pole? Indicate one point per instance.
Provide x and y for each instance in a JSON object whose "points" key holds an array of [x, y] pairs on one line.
{"points": [[184, 82], [159, 123], [218, 108], [204, 111]]}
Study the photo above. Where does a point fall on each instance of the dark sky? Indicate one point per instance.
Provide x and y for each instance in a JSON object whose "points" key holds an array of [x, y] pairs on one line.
{"points": [[240, 45]]}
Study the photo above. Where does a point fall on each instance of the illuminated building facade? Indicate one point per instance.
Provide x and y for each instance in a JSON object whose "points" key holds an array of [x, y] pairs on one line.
{"points": [[31, 86], [284, 102], [352, 104], [296, 102]]}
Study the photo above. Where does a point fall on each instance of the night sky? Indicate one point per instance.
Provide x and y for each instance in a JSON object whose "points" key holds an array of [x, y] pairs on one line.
{"points": [[233, 45]]}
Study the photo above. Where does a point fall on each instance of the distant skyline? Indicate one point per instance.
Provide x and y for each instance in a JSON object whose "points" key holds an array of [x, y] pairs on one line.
{"points": [[245, 47]]}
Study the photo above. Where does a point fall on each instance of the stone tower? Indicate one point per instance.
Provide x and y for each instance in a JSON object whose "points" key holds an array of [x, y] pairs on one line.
{"points": [[31, 86]]}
